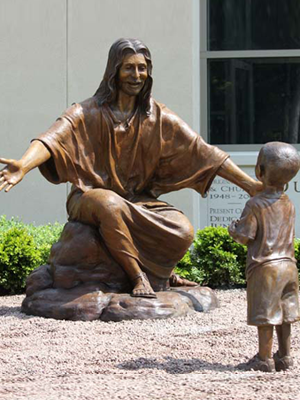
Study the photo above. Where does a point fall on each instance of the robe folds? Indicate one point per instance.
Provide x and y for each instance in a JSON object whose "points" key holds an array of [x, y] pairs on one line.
{"points": [[118, 172]]}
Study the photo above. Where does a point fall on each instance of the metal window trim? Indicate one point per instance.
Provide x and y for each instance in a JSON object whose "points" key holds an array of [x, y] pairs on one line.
{"points": [[250, 54], [229, 148]]}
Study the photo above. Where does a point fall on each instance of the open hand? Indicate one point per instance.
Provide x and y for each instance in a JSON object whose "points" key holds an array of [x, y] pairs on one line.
{"points": [[11, 174]]}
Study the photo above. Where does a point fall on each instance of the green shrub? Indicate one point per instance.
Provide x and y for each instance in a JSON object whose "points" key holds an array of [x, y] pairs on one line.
{"points": [[22, 249], [18, 257], [215, 259], [44, 236], [297, 254], [186, 269]]}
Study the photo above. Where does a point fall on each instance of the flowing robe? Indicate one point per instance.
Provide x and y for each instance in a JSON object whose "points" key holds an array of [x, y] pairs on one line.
{"points": [[119, 172]]}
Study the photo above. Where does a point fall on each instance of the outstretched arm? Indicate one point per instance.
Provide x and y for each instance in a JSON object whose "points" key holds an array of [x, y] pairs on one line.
{"points": [[15, 170], [235, 175]]}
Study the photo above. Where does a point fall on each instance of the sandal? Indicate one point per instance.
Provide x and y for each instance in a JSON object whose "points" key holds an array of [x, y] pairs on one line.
{"points": [[143, 288]]}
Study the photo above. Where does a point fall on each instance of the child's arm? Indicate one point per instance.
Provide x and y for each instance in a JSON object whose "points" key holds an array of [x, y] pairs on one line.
{"points": [[244, 229], [232, 229]]}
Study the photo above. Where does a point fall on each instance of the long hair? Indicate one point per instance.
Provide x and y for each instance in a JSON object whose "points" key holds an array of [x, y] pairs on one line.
{"points": [[107, 91]]}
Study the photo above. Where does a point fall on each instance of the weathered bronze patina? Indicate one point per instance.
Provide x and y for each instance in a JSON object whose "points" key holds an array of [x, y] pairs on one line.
{"points": [[267, 227], [121, 150]]}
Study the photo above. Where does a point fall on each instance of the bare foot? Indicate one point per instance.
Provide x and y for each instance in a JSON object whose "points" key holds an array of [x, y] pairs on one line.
{"points": [[176, 280], [142, 287]]}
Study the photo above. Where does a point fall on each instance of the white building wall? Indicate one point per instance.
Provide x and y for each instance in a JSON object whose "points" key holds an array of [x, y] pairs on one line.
{"points": [[32, 94], [54, 53]]}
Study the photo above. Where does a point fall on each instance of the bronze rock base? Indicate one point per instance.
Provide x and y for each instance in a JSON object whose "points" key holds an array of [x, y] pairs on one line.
{"points": [[83, 282], [89, 302]]}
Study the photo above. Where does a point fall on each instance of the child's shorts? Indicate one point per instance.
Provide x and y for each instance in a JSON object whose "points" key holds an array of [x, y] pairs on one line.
{"points": [[273, 294]]}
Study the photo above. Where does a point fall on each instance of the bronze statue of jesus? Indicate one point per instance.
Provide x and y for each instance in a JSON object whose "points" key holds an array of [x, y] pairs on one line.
{"points": [[121, 150]]}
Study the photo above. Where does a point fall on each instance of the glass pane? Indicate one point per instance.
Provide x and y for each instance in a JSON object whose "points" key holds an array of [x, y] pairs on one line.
{"points": [[254, 100], [253, 24]]}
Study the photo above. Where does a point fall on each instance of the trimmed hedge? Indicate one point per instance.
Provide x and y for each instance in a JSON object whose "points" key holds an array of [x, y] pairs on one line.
{"points": [[217, 260], [22, 249]]}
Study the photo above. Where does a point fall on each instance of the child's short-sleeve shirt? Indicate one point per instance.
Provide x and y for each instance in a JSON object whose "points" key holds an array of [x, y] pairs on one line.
{"points": [[268, 222]]}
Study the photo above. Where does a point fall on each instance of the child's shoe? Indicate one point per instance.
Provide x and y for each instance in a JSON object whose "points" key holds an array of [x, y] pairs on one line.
{"points": [[257, 364], [282, 363]]}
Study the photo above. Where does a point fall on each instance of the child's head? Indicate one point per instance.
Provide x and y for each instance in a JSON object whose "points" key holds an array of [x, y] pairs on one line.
{"points": [[277, 163]]}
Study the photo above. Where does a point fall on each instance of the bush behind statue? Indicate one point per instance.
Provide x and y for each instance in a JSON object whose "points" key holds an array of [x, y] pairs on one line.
{"points": [[22, 249], [216, 260], [297, 254]]}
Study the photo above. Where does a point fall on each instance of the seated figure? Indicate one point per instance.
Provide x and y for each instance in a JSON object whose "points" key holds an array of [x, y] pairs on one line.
{"points": [[121, 150]]}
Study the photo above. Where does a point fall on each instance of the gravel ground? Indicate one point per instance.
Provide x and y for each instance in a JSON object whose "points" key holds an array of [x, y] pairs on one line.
{"points": [[188, 358]]}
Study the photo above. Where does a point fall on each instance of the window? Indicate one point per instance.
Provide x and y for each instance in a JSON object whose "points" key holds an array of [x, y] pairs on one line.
{"points": [[252, 59], [254, 100], [254, 24]]}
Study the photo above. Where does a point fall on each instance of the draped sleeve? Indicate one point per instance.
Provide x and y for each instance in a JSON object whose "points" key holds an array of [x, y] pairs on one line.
{"points": [[186, 160], [157, 154], [72, 141]]}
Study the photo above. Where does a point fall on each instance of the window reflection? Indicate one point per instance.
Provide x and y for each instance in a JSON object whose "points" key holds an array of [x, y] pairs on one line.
{"points": [[254, 100], [254, 24]]}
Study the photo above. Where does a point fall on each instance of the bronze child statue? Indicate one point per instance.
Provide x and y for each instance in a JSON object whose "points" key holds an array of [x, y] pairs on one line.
{"points": [[267, 228]]}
